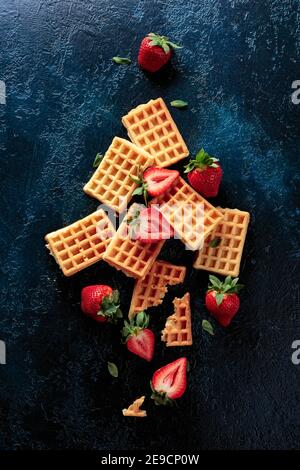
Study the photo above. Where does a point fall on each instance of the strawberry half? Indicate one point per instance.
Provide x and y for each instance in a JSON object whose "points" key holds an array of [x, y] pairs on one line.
{"points": [[101, 303], [159, 180], [221, 299], [204, 174], [139, 339], [155, 51], [150, 226], [169, 382]]}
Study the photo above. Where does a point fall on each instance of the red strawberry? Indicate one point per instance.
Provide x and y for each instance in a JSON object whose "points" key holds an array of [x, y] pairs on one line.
{"points": [[159, 180], [169, 382], [155, 51], [150, 226], [101, 303], [222, 300], [204, 174], [138, 338]]}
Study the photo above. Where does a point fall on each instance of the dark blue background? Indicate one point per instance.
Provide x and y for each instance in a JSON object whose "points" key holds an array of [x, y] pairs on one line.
{"points": [[65, 99]]}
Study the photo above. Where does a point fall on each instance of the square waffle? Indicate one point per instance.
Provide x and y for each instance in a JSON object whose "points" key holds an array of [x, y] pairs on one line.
{"points": [[134, 409], [150, 291], [191, 216], [151, 127], [225, 259], [82, 243], [178, 329], [131, 256], [111, 183]]}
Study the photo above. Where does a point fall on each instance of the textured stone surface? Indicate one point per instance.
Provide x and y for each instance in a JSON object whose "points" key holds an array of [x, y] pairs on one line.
{"points": [[64, 102]]}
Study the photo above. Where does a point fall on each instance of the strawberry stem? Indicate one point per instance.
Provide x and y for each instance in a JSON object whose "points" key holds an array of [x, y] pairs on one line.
{"points": [[201, 161]]}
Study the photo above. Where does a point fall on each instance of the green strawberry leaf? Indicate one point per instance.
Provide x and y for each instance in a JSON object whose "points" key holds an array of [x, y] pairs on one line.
{"points": [[207, 326], [138, 191], [121, 60], [179, 104], [112, 369], [219, 298]]}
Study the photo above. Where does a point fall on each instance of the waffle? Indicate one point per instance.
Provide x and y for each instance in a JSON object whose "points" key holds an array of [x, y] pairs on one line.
{"points": [[81, 244], [225, 259], [178, 329], [151, 126], [191, 216], [111, 183], [134, 409], [150, 291], [131, 256]]}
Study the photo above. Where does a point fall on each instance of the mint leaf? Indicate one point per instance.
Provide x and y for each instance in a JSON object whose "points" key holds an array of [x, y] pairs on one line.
{"points": [[215, 242], [121, 60], [207, 326], [98, 160], [112, 369], [179, 104]]}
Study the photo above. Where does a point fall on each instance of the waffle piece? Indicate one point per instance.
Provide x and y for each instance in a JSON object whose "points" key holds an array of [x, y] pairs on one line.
{"points": [[151, 126], [150, 291], [134, 409], [82, 243], [225, 259], [131, 256], [111, 182], [178, 329], [191, 216]]}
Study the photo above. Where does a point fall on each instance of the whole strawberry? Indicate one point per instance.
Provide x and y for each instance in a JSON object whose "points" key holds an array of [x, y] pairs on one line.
{"points": [[155, 51], [101, 303], [204, 174], [221, 299], [169, 382], [138, 338]]}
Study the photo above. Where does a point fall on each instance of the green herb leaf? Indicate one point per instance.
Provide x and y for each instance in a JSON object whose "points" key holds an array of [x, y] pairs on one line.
{"points": [[98, 160], [207, 326], [215, 242], [112, 369], [121, 60], [179, 104], [215, 282]]}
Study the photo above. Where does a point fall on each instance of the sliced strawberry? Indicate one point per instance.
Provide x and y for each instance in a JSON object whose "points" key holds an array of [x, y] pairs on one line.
{"points": [[139, 339], [169, 382], [142, 344], [159, 180], [153, 227]]}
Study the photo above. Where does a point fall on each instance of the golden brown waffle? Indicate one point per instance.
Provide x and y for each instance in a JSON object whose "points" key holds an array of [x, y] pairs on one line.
{"points": [[111, 182], [225, 259], [82, 243], [131, 256], [150, 291], [134, 409], [191, 216], [178, 329], [151, 126]]}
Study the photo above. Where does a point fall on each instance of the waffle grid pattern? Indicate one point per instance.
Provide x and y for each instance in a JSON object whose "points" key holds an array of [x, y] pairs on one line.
{"points": [[131, 256], [150, 291], [151, 127], [111, 183], [225, 259], [191, 216], [178, 329], [82, 243]]}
